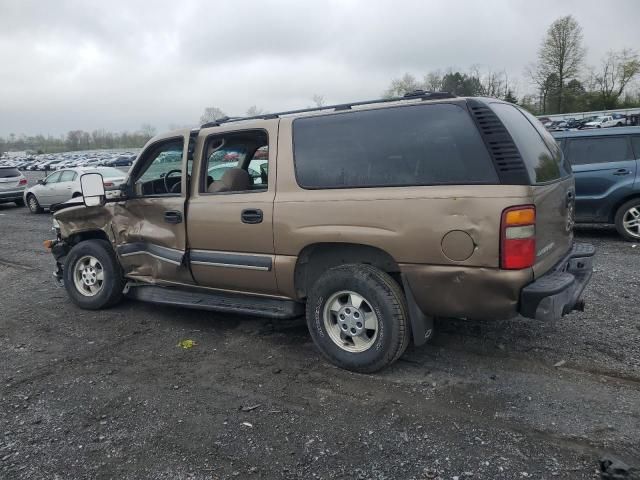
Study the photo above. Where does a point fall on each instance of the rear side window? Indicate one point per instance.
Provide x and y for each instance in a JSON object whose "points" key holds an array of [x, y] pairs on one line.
{"points": [[9, 172], [399, 146], [585, 151], [539, 150]]}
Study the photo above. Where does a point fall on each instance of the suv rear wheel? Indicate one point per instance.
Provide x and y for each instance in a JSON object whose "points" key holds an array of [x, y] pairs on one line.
{"points": [[628, 220], [357, 318], [92, 275]]}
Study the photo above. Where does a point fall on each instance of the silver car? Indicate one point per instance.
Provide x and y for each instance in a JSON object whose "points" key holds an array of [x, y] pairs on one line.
{"points": [[64, 184], [12, 184]]}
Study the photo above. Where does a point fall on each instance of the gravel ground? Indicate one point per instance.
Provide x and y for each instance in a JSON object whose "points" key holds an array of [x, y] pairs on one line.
{"points": [[110, 394]]}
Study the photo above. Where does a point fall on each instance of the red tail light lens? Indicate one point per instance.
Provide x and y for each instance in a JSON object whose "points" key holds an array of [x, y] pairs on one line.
{"points": [[108, 184], [518, 237], [23, 181]]}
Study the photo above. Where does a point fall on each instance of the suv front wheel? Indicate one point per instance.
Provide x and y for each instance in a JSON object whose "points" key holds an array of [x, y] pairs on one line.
{"points": [[357, 318], [628, 220], [92, 275]]}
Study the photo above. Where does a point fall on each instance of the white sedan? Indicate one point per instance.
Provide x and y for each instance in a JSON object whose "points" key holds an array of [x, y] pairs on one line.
{"points": [[64, 184]]}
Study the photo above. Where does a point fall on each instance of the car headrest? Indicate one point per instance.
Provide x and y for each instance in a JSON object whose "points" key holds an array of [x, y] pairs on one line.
{"points": [[233, 180]]}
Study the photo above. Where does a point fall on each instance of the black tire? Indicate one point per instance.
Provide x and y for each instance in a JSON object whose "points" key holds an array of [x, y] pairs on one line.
{"points": [[110, 292], [19, 202], [76, 195], [34, 205], [387, 302], [619, 219]]}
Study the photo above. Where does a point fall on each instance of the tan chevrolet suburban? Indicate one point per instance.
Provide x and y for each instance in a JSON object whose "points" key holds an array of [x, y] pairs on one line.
{"points": [[371, 218]]}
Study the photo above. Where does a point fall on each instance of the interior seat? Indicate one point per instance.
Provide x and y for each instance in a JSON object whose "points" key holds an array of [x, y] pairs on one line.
{"points": [[233, 180]]}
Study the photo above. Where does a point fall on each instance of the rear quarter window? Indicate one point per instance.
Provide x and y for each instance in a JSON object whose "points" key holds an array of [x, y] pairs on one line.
{"points": [[435, 144], [539, 150]]}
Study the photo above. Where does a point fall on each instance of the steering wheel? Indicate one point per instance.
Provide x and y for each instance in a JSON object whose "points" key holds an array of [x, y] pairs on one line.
{"points": [[166, 185]]}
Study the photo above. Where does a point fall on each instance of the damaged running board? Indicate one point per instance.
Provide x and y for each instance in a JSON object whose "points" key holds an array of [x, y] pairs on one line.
{"points": [[217, 302]]}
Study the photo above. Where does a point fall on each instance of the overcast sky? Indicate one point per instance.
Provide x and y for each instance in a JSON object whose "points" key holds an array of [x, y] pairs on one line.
{"points": [[118, 64]]}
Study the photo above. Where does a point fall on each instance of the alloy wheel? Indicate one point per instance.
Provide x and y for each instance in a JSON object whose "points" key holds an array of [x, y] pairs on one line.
{"points": [[88, 276], [350, 321]]}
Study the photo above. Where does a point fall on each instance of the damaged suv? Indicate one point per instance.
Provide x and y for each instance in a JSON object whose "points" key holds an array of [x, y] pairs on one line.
{"points": [[370, 218]]}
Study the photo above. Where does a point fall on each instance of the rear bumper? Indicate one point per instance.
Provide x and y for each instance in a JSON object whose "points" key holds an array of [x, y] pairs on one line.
{"points": [[558, 291], [11, 195]]}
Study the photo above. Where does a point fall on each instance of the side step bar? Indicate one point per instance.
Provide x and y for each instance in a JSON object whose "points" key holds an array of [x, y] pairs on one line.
{"points": [[218, 302]]}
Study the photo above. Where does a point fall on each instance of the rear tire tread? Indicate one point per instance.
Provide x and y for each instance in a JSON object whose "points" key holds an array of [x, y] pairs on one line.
{"points": [[392, 295]]}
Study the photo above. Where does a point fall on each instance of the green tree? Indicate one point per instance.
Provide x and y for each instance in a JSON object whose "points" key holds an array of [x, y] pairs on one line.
{"points": [[561, 54], [616, 71]]}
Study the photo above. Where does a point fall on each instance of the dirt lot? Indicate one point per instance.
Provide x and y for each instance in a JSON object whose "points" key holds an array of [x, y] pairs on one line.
{"points": [[109, 394]]}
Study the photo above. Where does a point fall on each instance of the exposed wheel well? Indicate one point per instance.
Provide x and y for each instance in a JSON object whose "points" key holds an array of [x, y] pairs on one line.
{"points": [[317, 258], [76, 194], [614, 210], [88, 235]]}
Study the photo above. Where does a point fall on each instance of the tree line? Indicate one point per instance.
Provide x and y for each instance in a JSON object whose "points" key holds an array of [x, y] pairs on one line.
{"points": [[562, 81], [78, 140]]}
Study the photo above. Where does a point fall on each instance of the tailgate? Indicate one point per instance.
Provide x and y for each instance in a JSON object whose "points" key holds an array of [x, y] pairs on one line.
{"points": [[555, 207]]}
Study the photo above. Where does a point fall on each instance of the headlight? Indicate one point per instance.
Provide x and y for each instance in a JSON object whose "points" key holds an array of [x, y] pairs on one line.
{"points": [[56, 225]]}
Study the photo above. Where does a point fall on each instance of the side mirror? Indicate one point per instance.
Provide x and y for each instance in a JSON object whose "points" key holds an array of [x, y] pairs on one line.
{"points": [[41, 182], [92, 189]]}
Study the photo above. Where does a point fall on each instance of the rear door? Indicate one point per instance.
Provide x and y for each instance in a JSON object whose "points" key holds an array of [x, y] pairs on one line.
{"points": [[605, 171], [230, 228], [553, 189]]}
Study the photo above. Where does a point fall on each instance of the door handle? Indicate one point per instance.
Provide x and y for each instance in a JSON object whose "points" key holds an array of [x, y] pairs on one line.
{"points": [[251, 216], [173, 216], [622, 171]]}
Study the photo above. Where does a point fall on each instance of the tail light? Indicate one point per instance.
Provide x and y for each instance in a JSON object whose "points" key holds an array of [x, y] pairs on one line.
{"points": [[518, 237], [108, 184], [23, 181]]}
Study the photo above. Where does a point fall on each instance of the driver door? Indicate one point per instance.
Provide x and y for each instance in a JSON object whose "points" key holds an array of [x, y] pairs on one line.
{"points": [[150, 223]]}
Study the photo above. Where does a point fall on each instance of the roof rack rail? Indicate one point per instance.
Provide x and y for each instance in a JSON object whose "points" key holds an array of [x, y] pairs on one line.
{"points": [[416, 94]]}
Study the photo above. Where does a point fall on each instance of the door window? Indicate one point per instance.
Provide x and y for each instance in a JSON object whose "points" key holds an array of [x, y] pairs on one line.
{"points": [[236, 162], [67, 176], [161, 173], [585, 151], [53, 178]]}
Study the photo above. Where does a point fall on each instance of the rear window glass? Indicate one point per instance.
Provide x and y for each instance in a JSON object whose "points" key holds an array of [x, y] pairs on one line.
{"points": [[540, 152], [399, 146], [9, 172], [585, 151]]}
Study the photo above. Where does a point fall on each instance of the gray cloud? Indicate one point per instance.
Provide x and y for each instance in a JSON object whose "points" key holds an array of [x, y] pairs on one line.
{"points": [[118, 64]]}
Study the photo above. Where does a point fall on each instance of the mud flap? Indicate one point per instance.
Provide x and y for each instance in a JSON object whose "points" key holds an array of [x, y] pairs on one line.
{"points": [[422, 326]]}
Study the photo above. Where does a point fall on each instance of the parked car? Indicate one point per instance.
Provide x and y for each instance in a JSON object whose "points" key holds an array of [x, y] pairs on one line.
{"points": [[12, 184], [121, 161], [382, 216], [62, 185], [604, 122], [605, 165]]}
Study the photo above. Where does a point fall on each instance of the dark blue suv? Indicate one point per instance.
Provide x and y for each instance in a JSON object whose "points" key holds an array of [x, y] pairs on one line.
{"points": [[605, 166]]}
